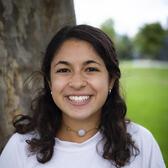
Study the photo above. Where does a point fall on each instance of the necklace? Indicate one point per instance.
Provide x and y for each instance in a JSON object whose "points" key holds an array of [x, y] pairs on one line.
{"points": [[80, 132]]}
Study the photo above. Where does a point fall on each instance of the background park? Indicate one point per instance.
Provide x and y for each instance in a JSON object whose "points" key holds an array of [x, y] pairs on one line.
{"points": [[25, 29]]}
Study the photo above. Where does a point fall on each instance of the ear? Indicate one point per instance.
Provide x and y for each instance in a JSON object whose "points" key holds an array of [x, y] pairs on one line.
{"points": [[111, 83]]}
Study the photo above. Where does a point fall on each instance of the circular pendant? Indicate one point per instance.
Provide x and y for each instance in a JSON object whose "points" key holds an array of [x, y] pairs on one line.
{"points": [[81, 132]]}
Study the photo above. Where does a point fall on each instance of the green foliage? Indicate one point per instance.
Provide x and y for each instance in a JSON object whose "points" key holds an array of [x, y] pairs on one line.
{"points": [[150, 39], [146, 92], [124, 47], [123, 43], [108, 28]]}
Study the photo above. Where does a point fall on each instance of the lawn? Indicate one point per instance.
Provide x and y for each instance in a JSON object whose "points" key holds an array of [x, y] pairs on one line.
{"points": [[146, 94]]}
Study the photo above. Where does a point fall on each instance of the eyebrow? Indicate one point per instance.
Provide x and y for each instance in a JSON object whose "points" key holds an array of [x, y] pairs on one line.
{"points": [[62, 62], [91, 62], [85, 63]]}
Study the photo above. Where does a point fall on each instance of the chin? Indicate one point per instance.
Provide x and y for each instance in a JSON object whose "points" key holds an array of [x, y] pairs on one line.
{"points": [[83, 115]]}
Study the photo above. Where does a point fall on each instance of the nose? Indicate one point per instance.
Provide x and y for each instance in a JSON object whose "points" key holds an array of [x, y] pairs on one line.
{"points": [[77, 81]]}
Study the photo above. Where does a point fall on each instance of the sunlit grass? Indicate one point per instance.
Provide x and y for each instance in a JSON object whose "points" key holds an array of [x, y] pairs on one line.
{"points": [[146, 94]]}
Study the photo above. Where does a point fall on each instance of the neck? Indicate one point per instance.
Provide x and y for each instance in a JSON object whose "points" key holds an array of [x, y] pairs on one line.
{"points": [[70, 128]]}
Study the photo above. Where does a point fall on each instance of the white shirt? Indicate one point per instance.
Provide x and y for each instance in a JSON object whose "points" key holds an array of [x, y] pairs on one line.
{"points": [[82, 155]]}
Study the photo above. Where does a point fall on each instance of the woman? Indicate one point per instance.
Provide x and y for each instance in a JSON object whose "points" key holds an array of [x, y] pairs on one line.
{"points": [[79, 116]]}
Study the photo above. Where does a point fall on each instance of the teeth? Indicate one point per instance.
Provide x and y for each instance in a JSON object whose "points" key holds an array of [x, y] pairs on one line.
{"points": [[78, 98]]}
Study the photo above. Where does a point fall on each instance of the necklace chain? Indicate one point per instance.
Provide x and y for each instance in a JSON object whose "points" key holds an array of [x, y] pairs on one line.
{"points": [[80, 132]]}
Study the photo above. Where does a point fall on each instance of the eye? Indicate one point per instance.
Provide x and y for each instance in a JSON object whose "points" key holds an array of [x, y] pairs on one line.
{"points": [[92, 69], [63, 70]]}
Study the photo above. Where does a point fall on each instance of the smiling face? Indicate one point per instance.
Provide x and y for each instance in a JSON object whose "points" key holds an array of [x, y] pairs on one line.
{"points": [[79, 81]]}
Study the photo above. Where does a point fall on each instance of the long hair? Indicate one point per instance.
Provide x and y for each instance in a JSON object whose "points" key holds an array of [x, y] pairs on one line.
{"points": [[46, 119]]}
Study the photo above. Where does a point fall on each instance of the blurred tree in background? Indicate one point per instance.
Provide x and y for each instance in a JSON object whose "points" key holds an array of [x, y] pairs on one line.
{"points": [[26, 27], [123, 43], [149, 40], [108, 28], [124, 47]]}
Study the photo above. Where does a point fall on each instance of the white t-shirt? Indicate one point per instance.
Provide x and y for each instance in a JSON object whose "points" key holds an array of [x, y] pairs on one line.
{"points": [[82, 155]]}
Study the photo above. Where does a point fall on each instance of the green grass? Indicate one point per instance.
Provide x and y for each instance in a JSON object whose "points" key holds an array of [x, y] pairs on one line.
{"points": [[146, 94]]}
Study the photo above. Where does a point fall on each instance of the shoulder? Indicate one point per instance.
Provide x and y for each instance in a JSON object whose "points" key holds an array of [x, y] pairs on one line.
{"points": [[20, 138], [150, 154], [14, 140], [15, 150], [17, 143], [142, 137], [138, 131]]}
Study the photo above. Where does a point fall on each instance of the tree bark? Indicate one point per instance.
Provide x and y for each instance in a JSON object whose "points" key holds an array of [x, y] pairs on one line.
{"points": [[26, 26]]}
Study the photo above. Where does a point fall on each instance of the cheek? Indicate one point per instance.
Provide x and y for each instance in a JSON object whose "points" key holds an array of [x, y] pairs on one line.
{"points": [[57, 84], [100, 84], [57, 87]]}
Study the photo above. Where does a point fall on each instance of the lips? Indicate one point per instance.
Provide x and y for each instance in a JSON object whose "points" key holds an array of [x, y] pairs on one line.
{"points": [[78, 100]]}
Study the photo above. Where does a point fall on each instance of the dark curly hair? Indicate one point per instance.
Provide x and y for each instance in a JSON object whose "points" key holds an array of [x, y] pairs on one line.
{"points": [[46, 119]]}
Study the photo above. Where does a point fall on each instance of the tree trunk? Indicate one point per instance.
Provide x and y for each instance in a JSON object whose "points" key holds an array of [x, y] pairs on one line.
{"points": [[26, 26]]}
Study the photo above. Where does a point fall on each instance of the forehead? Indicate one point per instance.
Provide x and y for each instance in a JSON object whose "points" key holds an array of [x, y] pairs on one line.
{"points": [[75, 50]]}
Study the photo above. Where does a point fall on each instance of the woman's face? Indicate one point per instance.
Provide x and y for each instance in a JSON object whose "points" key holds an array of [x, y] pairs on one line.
{"points": [[79, 80]]}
